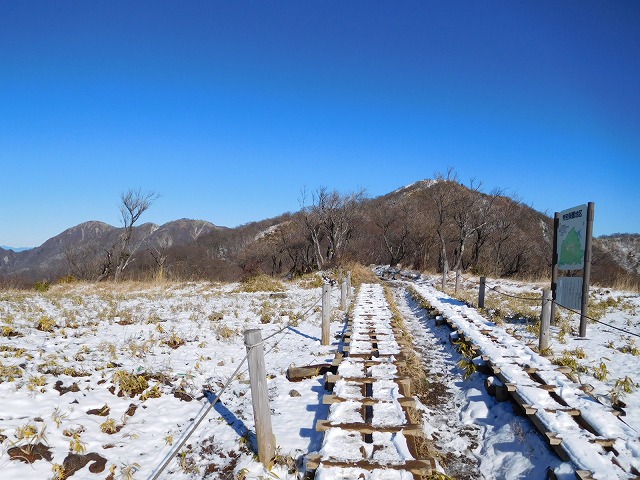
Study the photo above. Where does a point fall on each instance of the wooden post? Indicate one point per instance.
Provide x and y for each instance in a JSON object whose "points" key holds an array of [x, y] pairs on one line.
{"points": [[545, 319], [481, 291], [260, 397], [554, 268], [326, 313], [586, 272], [343, 294]]}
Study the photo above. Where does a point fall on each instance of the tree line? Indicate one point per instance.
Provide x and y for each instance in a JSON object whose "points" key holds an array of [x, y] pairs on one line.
{"points": [[439, 225]]}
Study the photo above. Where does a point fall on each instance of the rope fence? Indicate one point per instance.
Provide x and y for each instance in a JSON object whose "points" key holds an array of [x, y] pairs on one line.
{"points": [[529, 299], [495, 289], [155, 474], [598, 321]]}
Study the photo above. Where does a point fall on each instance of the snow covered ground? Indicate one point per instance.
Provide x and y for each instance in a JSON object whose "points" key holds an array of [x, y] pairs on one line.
{"points": [[593, 384], [119, 371]]}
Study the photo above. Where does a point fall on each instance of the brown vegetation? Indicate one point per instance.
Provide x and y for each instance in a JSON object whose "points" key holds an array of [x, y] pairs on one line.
{"points": [[433, 225]]}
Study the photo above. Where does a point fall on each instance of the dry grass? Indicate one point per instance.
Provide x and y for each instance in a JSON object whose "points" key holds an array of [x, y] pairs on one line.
{"points": [[413, 369], [261, 283], [310, 280], [360, 274], [628, 283]]}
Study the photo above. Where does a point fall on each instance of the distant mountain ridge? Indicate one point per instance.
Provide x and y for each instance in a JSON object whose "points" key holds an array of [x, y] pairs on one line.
{"points": [[87, 242], [520, 240], [15, 249]]}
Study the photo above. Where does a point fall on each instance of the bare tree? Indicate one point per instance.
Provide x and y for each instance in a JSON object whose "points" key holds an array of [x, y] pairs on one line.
{"points": [[329, 222], [472, 211], [441, 196], [392, 219], [159, 255], [133, 204]]}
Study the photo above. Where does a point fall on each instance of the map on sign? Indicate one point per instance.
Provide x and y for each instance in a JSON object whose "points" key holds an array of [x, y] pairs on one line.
{"points": [[571, 238]]}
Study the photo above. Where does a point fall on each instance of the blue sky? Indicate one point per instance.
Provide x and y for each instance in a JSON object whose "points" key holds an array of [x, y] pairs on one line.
{"points": [[229, 109]]}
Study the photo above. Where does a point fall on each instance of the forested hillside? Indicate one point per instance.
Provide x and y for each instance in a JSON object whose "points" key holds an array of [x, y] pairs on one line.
{"points": [[433, 225]]}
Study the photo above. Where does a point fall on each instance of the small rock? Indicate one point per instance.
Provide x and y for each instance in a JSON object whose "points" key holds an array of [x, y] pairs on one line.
{"points": [[294, 393]]}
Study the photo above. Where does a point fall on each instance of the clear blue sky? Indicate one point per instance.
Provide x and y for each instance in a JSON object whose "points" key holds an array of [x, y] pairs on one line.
{"points": [[229, 109]]}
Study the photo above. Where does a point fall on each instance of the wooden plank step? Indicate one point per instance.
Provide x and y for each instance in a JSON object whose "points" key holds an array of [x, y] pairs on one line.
{"points": [[408, 430], [584, 475], [376, 354], [573, 412], [553, 438], [330, 399], [334, 378], [372, 363], [605, 442], [421, 468]]}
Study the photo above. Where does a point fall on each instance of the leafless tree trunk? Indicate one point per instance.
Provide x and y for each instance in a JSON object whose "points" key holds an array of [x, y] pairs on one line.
{"points": [[133, 204], [329, 222], [471, 212], [392, 220], [441, 196]]}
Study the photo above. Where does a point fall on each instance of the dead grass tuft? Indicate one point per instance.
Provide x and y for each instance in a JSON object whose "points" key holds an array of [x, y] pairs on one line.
{"points": [[360, 274], [261, 283]]}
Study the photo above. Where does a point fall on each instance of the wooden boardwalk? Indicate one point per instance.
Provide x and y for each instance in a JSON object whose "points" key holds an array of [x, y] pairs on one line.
{"points": [[539, 393], [368, 432]]}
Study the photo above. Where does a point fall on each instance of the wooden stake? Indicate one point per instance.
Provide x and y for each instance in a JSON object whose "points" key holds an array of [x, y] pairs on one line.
{"points": [[545, 319], [481, 291], [326, 314], [260, 397], [343, 295]]}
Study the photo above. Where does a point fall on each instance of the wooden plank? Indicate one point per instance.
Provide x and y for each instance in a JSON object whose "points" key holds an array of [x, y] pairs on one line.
{"points": [[573, 412], [584, 475], [408, 430], [421, 468], [329, 399], [548, 388], [553, 438], [605, 442], [297, 374], [367, 362], [331, 378]]}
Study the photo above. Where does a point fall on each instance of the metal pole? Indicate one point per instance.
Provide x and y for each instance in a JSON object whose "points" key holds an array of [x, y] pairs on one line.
{"points": [[545, 320], [260, 396], [586, 271], [481, 291], [457, 280], [343, 294], [349, 284]]}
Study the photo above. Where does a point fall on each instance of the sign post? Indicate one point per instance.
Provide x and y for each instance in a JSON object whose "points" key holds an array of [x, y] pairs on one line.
{"points": [[573, 230], [586, 271]]}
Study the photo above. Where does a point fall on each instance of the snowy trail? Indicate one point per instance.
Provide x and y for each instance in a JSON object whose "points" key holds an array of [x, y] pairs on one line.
{"points": [[368, 434], [476, 436], [580, 429]]}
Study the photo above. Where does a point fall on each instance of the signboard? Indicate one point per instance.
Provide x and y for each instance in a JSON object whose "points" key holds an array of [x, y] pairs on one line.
{"points": [[571, 238], [569, 292]]}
